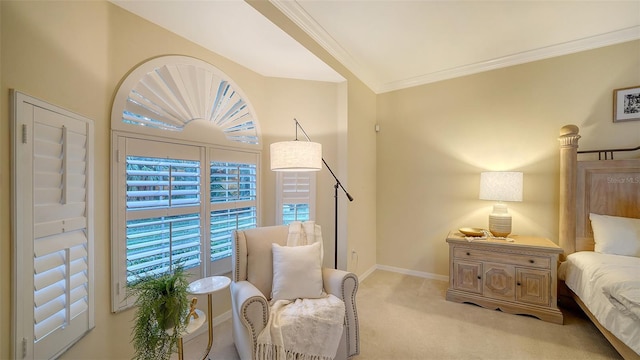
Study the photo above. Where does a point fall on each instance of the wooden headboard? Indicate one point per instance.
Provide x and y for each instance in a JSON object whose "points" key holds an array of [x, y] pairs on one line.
{"points": [[606, 187]]}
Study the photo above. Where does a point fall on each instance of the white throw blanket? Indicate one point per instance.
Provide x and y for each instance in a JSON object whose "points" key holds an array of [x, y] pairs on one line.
{"points": [[625, 296], [305, 233], [304, 329]]}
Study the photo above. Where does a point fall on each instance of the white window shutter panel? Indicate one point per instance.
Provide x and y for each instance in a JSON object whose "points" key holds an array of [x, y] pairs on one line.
{"points": [[295, 196], [53, 200]]}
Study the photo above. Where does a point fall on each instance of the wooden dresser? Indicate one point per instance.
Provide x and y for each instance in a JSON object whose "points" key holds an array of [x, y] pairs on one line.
{"points": [[518, 277]]}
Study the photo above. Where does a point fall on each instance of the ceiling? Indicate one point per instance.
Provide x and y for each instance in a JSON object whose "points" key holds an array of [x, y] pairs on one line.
{"points": [[394, 44]]}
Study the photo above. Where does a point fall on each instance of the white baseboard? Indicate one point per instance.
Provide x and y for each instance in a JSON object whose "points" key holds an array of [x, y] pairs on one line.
{"points": [[421, 274], [367, 273]]}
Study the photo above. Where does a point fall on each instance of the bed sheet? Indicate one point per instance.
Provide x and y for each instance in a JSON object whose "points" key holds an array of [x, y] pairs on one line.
{"points": [[586, 272]]}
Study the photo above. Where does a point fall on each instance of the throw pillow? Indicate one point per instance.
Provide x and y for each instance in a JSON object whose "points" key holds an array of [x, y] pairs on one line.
{"points": [[297, 272], [616, 235]]}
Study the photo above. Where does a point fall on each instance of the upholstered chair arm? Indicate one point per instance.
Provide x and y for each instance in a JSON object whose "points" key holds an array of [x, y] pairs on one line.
{"points": [[344, 285], [251, 310]]}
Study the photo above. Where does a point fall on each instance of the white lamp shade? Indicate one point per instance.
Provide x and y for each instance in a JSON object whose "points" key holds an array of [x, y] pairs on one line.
{"points": [[501, 186], [296, 156]]}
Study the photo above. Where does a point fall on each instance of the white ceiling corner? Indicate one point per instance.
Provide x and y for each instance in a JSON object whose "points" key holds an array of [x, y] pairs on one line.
{"points": [[395, 44], [235, 30], [309, 25]]}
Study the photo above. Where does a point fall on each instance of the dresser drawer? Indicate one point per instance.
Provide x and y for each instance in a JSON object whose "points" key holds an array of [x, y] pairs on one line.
{"points": [[532, 261], [517, 277]]}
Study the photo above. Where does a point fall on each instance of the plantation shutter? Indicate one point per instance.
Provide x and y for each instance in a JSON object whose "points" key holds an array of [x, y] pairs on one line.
{"points": [[295, 196], [54, 235], [233, 195], [159, 211], [155, 240]]}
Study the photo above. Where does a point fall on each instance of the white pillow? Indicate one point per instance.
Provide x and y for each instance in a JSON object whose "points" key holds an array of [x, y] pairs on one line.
{"points": [[297, 272], [616, 235]]}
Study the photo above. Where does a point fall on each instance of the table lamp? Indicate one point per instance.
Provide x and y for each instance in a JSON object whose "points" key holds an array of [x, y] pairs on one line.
{"points": [[500, 186]]}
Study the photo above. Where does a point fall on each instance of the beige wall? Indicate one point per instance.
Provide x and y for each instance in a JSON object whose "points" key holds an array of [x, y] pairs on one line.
{"points": [[314, 104], [412, 182], [356, 164], [74, 54], [436, 139]]}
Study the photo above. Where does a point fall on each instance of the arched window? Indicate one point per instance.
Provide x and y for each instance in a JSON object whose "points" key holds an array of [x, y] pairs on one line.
{"points": [[185, 170]]}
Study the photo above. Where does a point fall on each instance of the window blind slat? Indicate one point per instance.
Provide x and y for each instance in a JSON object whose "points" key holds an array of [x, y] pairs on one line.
{"points": [[46, 213], [53, 196], [49, 125], [77, 271], [78, 293], [59, 226], [48, 180], [78, 308], [47, 149], [133, 256], [50, 244], [47, 262], [49, 277], [48, 309], [49, 324], [48, 293], [46, 165]]}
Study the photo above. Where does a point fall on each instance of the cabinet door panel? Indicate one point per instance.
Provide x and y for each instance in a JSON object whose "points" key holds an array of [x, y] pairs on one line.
{"points": [[467, 276], [533, 286], [499, 281]]}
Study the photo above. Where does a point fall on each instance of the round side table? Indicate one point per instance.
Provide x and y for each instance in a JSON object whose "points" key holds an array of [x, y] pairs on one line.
{"points": [[208, 286]]}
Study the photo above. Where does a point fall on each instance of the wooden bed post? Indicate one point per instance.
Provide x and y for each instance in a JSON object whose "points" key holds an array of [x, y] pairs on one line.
{"points": [[568, 180]]}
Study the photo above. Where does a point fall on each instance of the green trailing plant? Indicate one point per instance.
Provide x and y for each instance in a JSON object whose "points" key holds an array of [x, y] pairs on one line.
{"points": [[161, 310]]}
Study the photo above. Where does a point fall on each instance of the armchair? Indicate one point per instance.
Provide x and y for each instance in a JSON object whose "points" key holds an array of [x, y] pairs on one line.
{"points": [[252, 277]]}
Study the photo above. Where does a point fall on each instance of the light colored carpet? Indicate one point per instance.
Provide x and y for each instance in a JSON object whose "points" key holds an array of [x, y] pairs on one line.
{"points": [[407, 317]]}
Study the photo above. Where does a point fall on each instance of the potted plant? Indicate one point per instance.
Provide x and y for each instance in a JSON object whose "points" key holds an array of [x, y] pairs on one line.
{"points": [[162, 308]]}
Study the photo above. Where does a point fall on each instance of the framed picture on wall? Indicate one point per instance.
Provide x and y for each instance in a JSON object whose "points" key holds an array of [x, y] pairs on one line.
{"points": [[626, 104]]}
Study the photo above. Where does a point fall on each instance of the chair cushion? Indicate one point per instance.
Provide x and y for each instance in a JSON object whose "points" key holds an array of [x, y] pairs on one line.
{"points": [[258, 261], [297, 272]]}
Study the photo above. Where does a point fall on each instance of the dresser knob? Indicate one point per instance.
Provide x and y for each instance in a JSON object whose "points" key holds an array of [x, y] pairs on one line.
{"points": [[518, 283], [468, 253], [479, 277], [532, 261]]}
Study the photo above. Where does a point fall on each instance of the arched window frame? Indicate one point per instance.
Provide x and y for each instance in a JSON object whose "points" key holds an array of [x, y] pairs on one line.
{"points": [[183, 113]]}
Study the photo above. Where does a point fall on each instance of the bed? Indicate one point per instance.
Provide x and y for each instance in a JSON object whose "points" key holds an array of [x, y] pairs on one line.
{"points": [[604, 283]]}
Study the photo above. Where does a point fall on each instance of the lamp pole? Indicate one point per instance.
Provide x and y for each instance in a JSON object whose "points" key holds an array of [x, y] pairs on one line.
{"points": [[335, 187]]}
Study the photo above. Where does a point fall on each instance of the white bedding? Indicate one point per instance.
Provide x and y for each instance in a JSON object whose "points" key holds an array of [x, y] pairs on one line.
{"points": [[625, 296], [587, 273]]}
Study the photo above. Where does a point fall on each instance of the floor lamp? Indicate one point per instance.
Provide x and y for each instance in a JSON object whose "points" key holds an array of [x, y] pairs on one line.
{"points": [[305, 156]]}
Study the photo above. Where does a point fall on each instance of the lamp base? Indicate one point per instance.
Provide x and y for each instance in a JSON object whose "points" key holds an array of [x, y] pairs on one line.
{"points": [[500, 221]]}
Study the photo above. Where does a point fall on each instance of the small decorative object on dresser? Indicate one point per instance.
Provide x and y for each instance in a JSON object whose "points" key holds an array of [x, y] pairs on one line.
{"points": [[518, 277]]}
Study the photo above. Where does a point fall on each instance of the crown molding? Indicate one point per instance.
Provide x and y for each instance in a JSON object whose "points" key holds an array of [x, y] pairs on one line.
{"points": [[571, 47], [301, 18], [310, 26]]}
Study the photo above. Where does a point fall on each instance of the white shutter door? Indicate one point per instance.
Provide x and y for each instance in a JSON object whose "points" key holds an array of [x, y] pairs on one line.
{"points": [[55, 159], [296, 187], [295, 192]]}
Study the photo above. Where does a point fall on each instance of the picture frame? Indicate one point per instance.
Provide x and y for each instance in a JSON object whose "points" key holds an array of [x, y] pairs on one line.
{"points": [[626, 104]]}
